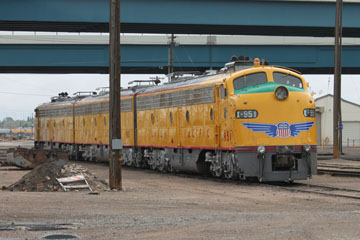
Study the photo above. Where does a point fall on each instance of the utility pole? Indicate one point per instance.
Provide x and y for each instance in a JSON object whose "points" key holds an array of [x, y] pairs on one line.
{"points": [[337, 79], [171, 58], [115, 142]]}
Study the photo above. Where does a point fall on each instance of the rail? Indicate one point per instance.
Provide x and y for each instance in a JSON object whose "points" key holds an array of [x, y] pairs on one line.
{"points": [[338, 169], [320, 190]]}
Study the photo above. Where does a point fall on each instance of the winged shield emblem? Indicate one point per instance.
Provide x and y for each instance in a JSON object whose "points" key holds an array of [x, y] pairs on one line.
{"points": [[282, 129]]}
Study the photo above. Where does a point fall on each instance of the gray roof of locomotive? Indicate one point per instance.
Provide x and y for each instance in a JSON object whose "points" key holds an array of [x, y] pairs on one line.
{"points": [[175, 84], [130, 91]]}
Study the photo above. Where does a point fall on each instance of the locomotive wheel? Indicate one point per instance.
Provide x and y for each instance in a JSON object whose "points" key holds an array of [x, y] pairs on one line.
{"points": [[123, 157], [129, 159], [170, 168], [152, 163], [217, 173], [137, 159], [128, 163], [228, 168], [160, 164], [216, 170]]}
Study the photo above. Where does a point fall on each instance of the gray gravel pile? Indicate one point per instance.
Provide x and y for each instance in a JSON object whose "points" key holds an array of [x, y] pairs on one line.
{"points": [[43, 179]]}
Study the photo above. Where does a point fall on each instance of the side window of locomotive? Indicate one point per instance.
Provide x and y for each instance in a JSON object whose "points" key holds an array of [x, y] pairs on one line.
{"points": [[249, 80], [239, 83], [287, 79]]}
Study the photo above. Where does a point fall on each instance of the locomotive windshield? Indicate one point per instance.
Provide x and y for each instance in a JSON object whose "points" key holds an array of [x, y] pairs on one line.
{"points": [[287, 79], [249, 80]]}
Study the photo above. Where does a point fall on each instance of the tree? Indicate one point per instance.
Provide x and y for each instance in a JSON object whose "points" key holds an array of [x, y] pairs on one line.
{"points": [[10, 123]]}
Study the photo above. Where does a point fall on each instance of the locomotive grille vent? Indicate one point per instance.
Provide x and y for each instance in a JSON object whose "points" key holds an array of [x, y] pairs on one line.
{"points": [[181, 98], [101, 108], [56, 112], [174, 99], [86, 109]]}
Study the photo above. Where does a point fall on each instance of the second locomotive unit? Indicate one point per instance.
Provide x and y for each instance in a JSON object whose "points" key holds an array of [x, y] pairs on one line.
{"points": [[248, 121]]}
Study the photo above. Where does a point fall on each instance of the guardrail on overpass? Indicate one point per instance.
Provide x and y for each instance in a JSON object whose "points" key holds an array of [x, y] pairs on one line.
{"points": [[242, 17], [149, 53]]}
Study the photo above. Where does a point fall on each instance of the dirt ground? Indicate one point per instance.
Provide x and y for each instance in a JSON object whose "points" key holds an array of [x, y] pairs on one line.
{"points": [[178, 206]]}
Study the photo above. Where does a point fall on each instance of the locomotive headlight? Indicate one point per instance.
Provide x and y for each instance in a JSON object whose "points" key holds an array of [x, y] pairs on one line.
{"points": [[307, 147], [281, 93], [261, 149], [309, 112]]}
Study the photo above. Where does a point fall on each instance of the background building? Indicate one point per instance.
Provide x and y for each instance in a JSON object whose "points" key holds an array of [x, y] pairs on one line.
{"points": [[324, 121]]}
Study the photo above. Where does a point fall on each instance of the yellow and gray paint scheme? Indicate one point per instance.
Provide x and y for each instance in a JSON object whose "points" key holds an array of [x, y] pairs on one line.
{"points": [[251, 120]]}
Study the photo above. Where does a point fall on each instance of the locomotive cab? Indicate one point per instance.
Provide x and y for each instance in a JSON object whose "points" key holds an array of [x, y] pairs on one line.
{"points": [[272, 122]]}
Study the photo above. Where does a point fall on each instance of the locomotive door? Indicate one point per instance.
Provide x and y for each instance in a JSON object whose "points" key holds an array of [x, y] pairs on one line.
{"points": [[179, 153], [37, 125], [211, 121], [224, 132], [218, 111], [178, 127]]}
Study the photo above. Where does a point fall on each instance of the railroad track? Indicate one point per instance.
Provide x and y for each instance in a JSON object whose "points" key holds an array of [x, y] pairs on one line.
{"points": [[338, 169], [292, 187], [321, 190], [3, 155], [339, 172]]}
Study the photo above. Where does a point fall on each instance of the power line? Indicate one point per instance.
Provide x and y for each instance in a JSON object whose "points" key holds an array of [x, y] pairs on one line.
{"points": [[26, 94]]}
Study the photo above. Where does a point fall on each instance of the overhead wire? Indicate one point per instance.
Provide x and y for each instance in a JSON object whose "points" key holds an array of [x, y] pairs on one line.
{"points": [[28, 82], [26, 94]]}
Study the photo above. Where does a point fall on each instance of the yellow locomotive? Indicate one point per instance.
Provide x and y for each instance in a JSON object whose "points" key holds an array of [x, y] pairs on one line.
{"points": [[251, 120]]}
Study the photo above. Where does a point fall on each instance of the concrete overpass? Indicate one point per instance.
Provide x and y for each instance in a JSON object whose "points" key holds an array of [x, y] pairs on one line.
{"points": [[145, 54], [149, 53], [241, 17]]}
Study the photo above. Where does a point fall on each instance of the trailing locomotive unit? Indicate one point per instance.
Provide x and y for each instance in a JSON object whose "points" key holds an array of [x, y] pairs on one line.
{"points": [[248, 121]]}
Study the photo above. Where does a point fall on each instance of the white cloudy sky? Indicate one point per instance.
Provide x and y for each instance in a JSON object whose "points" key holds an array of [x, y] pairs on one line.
{"points": [[21, 93]]}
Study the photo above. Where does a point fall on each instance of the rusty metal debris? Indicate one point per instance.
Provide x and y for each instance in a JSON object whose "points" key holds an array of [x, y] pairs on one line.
{"points": [[31, 158], [64, 182], [44, 179]]}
